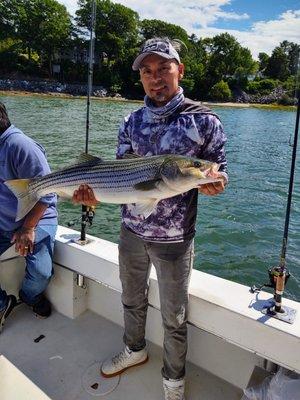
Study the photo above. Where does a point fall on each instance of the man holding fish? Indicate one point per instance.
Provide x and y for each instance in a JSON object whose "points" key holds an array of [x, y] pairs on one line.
{"points": [[160, 230]]}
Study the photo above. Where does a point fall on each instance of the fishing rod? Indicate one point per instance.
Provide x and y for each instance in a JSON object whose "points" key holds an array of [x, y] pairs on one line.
{"points": [[279, 275], [87, 212]]}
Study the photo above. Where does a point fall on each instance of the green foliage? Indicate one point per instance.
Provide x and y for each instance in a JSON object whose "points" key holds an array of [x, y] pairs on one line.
{"points": [[116, 27], [220, 91], [150, 28], [116, 33], [8, 13], [73, 72], [290, 85], [9, 45], [263, 86], [292, 50], [277, 67], [227, 58], [34, 32], [286, 100], [187, 85], [114, 89], [263, 61], [10, 60], [283, 61], [40, 25]]}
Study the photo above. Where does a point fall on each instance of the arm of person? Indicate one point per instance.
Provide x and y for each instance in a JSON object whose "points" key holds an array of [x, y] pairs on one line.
{"points": [[24, 237], [29, 161], [214, 150], [84, 194]]}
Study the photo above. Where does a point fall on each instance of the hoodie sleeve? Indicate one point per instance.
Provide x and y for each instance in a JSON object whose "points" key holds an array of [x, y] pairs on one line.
{"points": [[124, 140], [213, 148]]}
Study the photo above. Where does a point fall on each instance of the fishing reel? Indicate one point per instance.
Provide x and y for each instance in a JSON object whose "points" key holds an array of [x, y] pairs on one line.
{"points": [[86, 217], [90, 213], [274, 273], [278, 278]]}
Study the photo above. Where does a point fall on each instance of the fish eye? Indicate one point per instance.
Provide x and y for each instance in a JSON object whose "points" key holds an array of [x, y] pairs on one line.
{"points": [[197, 164]]}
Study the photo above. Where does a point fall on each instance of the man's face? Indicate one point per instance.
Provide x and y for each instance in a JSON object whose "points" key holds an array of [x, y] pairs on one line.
{"points": [[160, 78]]}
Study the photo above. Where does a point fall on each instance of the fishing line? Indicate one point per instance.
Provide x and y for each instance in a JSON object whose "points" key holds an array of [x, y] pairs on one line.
{"points": [[87, 213], [279, 275]]}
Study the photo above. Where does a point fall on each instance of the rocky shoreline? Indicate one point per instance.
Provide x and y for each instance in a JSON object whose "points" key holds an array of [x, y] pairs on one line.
{"points": [[240, 98], [274, 97], [47, 87]]}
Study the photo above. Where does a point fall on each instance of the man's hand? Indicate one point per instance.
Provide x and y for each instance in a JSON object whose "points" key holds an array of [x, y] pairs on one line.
{"points": [[213, 188], [24, 241], [84, 195]]}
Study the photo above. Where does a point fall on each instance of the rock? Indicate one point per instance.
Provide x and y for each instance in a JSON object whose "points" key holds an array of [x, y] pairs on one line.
{"points": [[44, 86]]}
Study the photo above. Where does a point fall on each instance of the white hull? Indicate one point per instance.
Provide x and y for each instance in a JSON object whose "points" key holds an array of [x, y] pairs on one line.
{"points": [[228, 334]]}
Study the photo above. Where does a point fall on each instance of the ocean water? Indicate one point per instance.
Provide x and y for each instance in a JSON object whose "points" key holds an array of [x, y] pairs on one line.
{"points": [[239, 233]]}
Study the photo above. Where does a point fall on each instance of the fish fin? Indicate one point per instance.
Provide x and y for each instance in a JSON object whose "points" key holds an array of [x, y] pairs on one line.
{"points": [[64, 195], [147, 185], [88, 158], [130, 156], [145, 208], [204, 181], [26, 200]]}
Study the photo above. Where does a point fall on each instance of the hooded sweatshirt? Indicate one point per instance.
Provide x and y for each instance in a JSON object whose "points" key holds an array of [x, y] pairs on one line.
{"points": [[181, 127]]}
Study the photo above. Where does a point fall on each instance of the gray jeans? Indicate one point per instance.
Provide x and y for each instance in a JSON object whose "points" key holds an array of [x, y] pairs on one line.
{"points": [[173, 263]]}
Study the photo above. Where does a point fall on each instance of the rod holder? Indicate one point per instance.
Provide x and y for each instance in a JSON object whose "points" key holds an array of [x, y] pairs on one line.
{"points": [[279, 276], [80, 281]]}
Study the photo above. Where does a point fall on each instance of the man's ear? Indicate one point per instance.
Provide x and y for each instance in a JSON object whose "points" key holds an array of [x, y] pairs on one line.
{"points": [[181, 71]]}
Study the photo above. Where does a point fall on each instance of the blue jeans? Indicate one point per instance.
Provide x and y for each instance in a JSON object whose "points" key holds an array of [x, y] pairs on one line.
{"points": [[39, 267]]}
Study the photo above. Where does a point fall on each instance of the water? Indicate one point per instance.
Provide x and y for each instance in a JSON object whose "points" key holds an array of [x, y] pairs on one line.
{"points": [[239, 233]]}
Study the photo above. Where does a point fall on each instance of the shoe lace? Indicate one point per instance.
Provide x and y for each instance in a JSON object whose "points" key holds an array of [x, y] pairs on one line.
{"points": [[173, 393], [119, 358]]}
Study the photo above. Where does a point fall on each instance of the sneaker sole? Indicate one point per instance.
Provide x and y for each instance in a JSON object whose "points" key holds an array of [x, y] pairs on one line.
{"points": [[5, 315], [123, 370], [41, 316]]}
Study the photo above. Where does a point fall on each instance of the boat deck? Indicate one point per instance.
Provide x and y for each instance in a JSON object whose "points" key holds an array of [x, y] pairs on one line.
{"points": [[61, 363]]}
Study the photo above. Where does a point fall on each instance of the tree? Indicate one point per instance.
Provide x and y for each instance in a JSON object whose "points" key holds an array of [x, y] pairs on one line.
{"points": [[54, 28], [278, 65], [40, 25], [117, 36], [263, 61], [150, 28], [220, 91], [227, 58], [283, 61], [8, 12], [292, 50], [116, 27]]}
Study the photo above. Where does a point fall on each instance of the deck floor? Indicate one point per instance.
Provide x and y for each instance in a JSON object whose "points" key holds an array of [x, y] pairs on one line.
{"points": [[58, 362]]}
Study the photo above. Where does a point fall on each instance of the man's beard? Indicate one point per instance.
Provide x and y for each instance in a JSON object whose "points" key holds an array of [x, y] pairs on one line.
{"points": [[160, 97]]}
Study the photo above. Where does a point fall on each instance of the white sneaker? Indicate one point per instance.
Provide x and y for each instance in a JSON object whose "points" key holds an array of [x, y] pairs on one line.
{"points": [[122, 361], [174, 389]]}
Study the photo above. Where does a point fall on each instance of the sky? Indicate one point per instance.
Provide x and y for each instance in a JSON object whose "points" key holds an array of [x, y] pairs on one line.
{"points": [[259, 25]]}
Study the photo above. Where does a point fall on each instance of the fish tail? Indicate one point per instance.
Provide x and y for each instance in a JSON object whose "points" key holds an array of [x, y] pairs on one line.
{"points": [[26, 199]]}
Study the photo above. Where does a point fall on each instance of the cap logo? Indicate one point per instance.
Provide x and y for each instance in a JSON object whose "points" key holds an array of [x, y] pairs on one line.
{"points": [[161, 47]]}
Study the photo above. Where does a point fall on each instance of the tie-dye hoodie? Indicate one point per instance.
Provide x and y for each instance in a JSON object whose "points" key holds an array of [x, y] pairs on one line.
{"points": [[181, 127]]}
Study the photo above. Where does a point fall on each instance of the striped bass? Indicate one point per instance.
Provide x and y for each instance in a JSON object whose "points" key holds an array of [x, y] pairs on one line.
{"points": [[134, 179]]}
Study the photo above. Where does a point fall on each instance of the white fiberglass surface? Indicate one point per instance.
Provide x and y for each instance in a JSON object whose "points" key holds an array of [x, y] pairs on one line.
{"points": [[59, 360]]}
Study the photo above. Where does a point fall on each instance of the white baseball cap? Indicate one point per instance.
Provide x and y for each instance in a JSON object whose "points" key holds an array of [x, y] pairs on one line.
{"points": [[160, 47]]}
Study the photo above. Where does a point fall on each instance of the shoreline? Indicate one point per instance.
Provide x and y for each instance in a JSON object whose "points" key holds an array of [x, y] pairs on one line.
{"points": [[123, 99]]}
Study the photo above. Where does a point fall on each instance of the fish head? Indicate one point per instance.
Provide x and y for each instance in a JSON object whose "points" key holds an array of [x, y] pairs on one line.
{"points": [[199, 169], [186, 173]]}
